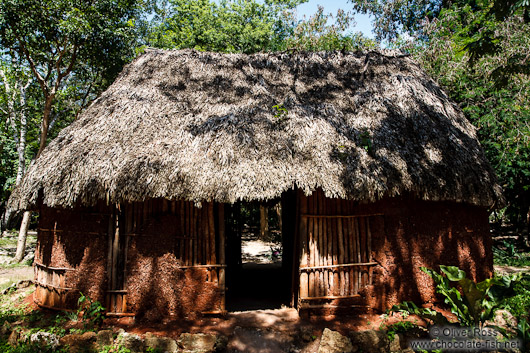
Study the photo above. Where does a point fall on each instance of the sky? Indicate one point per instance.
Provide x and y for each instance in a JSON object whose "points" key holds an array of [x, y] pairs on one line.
{"points": [[363, 21]]}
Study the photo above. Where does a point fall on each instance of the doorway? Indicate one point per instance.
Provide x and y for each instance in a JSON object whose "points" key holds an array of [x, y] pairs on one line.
{"points": [[259, 249]]}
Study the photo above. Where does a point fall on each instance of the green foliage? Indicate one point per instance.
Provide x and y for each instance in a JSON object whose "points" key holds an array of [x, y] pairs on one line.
{"points": [[510, 255], [399, 327], [245, 26], [280, 113], [499, 111], [249, 26], [321, 33], [478, 51], [72, 50], [117, 349], [521, 332], [394, 17], [366, 141], [472, 303], [63, 31], [153, 350], [92, 312], [28, 348], [519, 303], [8, 311]]}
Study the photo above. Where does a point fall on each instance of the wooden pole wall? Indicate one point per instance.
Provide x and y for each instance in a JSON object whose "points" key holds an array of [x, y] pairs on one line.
{"points": [[335, 249], [199, 242]]}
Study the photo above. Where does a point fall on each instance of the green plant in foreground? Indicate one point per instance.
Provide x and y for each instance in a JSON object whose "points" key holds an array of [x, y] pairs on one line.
{"points": [[520, 332], [508, 255], [472, 306], [92, 312], [117, 349], [399, 327]]}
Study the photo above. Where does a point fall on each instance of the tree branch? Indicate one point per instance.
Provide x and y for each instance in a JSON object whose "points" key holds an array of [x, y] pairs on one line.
{"points": [[32, 65]]}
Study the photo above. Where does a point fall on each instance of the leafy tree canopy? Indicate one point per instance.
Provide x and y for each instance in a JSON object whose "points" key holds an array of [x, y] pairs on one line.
{"points": [[494, 91], [244, 26]]}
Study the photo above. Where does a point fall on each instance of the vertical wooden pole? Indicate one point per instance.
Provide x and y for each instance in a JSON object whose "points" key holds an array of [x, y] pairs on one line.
{"points": [[222, 259], [351, 247], [204, 234], [325, 250], [311, 243], [362, 233], [211, 223], [194, 231], [110, 236], [340, 248], [330, 247], [320, 245], [336, 250], [303, 244], [369, 249], [359, 250], [115, 250]]}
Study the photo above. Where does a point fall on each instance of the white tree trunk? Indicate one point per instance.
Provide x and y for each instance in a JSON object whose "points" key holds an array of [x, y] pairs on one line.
{"points": [[22, 235], [21, 148]]}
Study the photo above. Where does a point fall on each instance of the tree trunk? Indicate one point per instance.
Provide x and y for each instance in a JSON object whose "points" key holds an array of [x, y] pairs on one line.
{"points": [[264, 222], [22, 235], [45, 123], [21, 149], [278, 209]]}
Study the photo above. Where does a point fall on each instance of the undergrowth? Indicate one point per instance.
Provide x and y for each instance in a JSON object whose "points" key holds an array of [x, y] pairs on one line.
{"points": [[508, 254]]}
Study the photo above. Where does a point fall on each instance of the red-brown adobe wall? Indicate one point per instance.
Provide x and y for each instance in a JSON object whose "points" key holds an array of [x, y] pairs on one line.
{"points": [[75, 239], [414, 233], [157, 288]]}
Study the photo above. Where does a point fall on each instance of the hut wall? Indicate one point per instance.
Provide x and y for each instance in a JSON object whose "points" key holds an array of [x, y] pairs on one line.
{"points": [[390, 240], [174, 267], [71, 255], [152, 259]]}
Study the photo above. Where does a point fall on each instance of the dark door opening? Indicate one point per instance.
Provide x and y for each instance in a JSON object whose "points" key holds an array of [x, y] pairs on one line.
{"points": [[260, 238]]}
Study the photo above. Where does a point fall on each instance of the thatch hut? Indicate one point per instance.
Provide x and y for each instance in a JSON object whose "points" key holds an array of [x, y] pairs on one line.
{"points": [[378, 173]]}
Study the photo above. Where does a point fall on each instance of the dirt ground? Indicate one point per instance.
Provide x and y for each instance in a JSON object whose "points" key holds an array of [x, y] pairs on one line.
{"points": [[12, 273], [263, 331]]}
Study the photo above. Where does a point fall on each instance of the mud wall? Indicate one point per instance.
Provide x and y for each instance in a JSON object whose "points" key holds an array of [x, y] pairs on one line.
{"points": [[75, 240], [171, 246], [412, 233]]}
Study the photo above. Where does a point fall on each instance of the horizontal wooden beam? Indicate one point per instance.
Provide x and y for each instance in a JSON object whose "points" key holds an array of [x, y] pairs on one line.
{"points": [[331, 297], [360, 264], [52, 307], [204, 266], [68, 231], [120, 314], [53, 268], [53, 287], [328, 306], [341, 216]]}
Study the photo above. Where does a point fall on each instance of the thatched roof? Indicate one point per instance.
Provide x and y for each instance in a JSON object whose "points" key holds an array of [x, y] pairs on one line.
{"points": [[204, 126]]}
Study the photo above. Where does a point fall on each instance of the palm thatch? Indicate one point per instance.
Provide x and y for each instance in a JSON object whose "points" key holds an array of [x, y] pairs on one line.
{"points": [[205, 126]]}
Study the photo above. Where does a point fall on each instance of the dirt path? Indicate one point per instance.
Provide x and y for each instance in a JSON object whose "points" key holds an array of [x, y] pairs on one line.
{"points": [[510, 270], [13, 273]]}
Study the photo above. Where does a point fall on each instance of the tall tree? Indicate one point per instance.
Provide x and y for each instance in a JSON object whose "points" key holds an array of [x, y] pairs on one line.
{"points": [[478, 50], [243, 26], [492, 87], [325, 31], [58, 39]]}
